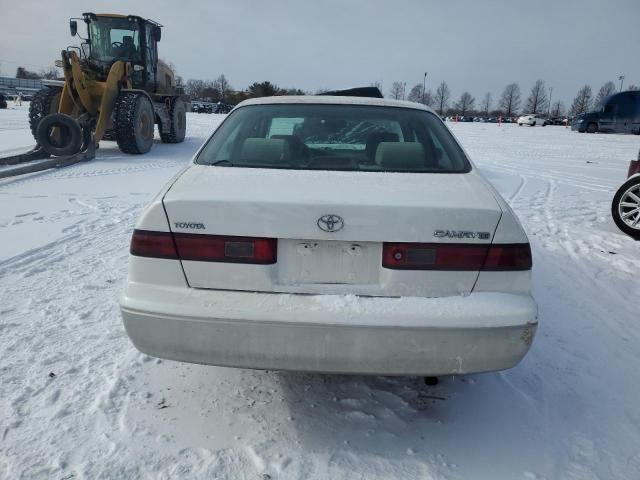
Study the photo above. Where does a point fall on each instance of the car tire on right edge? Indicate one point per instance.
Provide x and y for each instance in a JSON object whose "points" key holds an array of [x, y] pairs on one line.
{"points": [[625, 202]]}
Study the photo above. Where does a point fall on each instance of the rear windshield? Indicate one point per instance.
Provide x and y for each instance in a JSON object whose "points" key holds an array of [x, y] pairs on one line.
{"points": [[334, 137]]}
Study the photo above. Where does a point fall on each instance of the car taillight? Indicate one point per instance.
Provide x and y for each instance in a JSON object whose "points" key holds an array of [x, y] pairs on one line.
{"points": [[204, 248], [508, 257], [153, 244], [455, 256], [215, 248]]}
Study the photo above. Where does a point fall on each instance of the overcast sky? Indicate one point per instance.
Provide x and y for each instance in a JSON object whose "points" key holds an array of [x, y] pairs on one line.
{"points": [[477, 46]]}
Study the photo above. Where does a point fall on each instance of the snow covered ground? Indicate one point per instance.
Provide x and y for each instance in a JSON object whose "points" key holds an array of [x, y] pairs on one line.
{"points": [[78, 401]]}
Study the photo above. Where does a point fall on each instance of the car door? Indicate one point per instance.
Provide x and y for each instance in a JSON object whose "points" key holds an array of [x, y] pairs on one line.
{"points": [[624, 113], [606, 118], [635, 118]]}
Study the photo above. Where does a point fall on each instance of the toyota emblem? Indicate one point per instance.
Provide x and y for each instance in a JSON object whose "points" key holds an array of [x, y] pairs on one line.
{"points": [[330, 223]]}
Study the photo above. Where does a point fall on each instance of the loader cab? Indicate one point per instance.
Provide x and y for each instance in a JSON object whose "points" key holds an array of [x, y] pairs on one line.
{"points": [[129, 38]]}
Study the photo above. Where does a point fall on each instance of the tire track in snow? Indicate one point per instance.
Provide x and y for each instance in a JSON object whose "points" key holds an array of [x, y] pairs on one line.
{"points": [[72, 282]]}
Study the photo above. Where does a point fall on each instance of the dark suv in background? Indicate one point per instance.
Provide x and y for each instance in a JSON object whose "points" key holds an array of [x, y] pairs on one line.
{"points": [[619, 113]]}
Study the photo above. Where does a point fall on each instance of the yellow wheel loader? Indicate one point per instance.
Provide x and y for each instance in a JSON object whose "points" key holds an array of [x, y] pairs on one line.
{"points": [[114, 88]]}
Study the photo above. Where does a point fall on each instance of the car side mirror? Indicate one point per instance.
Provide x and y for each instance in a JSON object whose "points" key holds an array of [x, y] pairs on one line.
{"points": [[156, 33], [73, 27]]}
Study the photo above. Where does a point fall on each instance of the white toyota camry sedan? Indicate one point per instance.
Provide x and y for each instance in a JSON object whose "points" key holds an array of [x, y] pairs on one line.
{"points": [[331, 234]]}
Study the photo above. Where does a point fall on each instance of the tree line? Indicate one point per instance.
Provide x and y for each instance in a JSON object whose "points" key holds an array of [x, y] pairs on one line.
{"points": [[221, 90], [509, 103], [50, 73]]}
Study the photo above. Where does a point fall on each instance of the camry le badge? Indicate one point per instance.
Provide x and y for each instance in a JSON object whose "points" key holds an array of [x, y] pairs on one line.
{"points": [[461, 234], [330, 223]]}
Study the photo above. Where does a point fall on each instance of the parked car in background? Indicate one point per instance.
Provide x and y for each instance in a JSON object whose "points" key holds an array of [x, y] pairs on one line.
{"points": [[532, 120], [619, 113], [3, 101], [331, 234]]}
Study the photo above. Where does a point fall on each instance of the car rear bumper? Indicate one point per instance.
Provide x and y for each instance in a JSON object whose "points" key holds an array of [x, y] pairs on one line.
{"points": [[331, 333]]}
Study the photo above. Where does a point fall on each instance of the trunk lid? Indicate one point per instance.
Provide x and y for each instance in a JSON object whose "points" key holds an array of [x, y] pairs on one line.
{"points": [[374, 208]]}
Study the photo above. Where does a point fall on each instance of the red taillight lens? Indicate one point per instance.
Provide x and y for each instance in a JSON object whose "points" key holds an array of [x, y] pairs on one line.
{"points": [[455, 256], [153, 244], [509, 257], [433, 256], [204, 248], [215, 248]]}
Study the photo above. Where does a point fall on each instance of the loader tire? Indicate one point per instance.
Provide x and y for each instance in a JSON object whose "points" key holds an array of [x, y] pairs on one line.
{"points": [[134, 122], [68, 139], [44, 102], [178, 119], [109, 135]]}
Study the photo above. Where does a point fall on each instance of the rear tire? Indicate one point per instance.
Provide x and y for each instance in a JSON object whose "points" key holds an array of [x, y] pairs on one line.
{"points": [[592, 128], [178, 123], [134, 119], [533, 124], [44, 102], [109, 135], [617, 211]]}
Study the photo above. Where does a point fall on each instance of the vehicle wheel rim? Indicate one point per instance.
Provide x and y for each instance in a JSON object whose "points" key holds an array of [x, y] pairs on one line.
{"points": [[629, 207]]}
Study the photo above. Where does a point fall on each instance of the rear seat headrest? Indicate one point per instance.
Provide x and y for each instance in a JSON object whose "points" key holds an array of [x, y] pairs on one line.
{"points": [[265, 151], [401, 156], [375, 139]]}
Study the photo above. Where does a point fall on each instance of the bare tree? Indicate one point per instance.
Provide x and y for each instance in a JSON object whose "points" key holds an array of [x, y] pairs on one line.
{"points": [[582, 101], [418, 95], [486, 103], [557, 110], [194, 88], [605, 90], [633, 88], [538, 100], [50, 73], [397, 90], [415, 94], [210, 91], [441, 99], [510, 100], [465, 104], [223, 86]]}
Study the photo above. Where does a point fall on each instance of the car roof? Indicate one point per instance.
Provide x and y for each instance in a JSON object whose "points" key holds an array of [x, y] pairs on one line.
{"points": [[333, 100]]}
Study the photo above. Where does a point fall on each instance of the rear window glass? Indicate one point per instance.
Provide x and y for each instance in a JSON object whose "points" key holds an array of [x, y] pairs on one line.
{"points": [[334, 137]]}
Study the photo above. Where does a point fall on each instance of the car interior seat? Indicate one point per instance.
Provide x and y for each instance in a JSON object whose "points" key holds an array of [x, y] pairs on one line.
{"points": [[265, 151], [374, 140], [401, 156]]}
